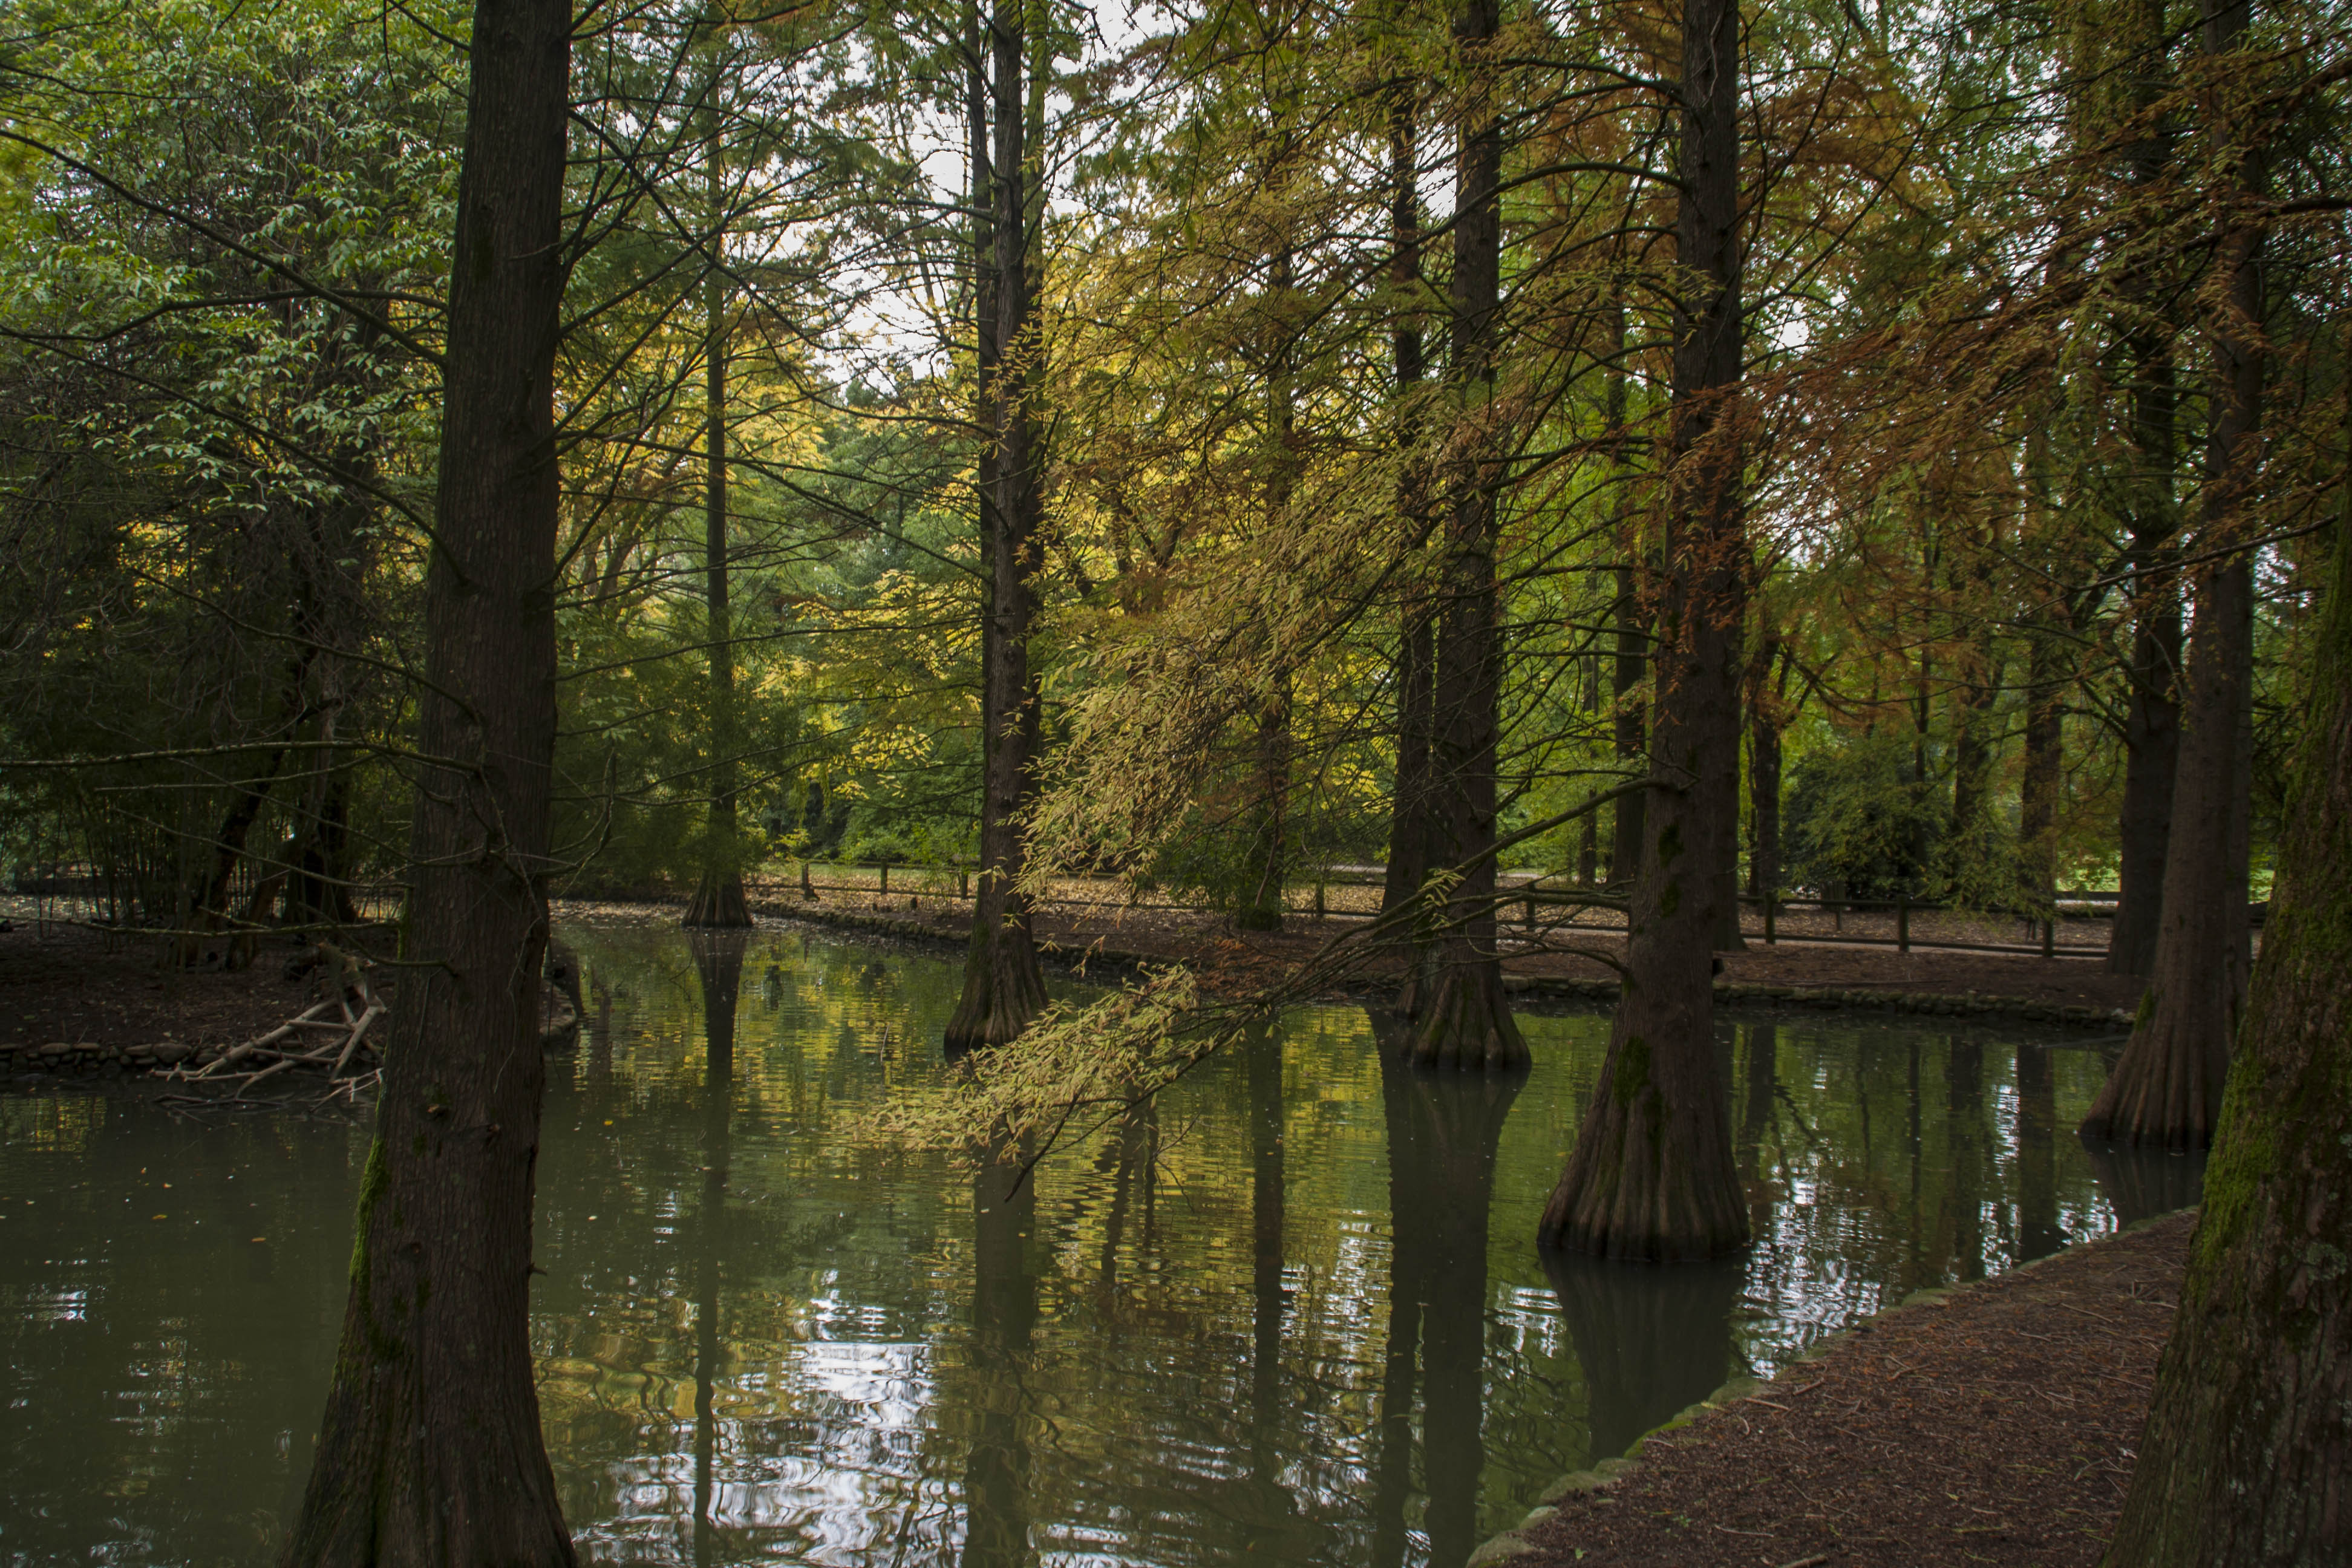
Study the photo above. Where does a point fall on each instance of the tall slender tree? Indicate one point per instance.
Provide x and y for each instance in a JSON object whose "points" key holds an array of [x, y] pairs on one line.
{"points": [[1653, 1175], [1002, 986], [2151, 699], [719, 898], [2166, 1088], [430, 1450], [1417, 714], [1466, 1020]]}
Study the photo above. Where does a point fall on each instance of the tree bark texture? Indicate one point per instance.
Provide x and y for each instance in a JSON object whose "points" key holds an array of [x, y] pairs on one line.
{"points": [[2247, 1456], [1002, 986], [1653, 1175], [1466, 1022], [2151, 713], [2166, 1091], [718, 900], [430, 1451]]}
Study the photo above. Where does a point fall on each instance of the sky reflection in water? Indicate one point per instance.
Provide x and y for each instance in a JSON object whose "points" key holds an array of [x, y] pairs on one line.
{"points": [[1291, 1314]]}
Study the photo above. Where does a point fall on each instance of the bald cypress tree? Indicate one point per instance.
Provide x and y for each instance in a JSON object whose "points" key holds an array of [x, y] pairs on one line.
{"points": [[430, 1450], [1651, 1176]]}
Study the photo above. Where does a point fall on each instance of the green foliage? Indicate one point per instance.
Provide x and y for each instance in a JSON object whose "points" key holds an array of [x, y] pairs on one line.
{"points": [[1857, 816]]}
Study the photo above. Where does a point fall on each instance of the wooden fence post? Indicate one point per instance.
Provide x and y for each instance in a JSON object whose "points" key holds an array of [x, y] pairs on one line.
{"points": [[1902, 923]]}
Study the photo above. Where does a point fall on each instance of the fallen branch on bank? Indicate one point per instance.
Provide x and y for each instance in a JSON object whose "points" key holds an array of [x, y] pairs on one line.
{"points": [[240, 1067]]}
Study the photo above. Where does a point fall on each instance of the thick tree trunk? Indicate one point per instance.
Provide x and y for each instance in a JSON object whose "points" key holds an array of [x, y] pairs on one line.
{"points": [[430, 1451], [2247, 1457], [2166, 1091], [1002, 986], [2151, 713], [1408, 861], [1653, 1175], [718, 898], [1466, 1022]]}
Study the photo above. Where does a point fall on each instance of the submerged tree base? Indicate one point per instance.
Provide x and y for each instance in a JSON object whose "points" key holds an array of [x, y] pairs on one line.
{"points": [[1003, 988], [717, 903], [2166, 1091], [1463, 1020], [1651, 1179]]}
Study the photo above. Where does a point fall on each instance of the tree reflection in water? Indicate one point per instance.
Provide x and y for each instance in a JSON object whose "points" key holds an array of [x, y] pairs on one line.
{"points": [[719, 961], [1443, 1129], [1653, 1338], [2144, 1183], [768, 1334], [1003, 1318]]}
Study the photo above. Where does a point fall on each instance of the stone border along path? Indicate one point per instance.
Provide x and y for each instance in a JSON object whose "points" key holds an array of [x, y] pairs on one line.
{"points": [[1756, 1477], [1546, 987], [86, 1056]]}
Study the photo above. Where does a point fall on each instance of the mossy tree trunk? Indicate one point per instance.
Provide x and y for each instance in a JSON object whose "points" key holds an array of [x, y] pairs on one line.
{"points": [[2247, 1448], [1653, 1175], [430, 1450], [1002, 986], [1464, 1020], [2247, 1456]]}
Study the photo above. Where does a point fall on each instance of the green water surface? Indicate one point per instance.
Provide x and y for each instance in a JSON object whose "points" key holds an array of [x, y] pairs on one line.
{"points": [[1293, 1313]]}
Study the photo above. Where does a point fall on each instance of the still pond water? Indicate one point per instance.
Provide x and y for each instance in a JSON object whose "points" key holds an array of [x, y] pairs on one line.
{"points": [[1291, 1315]]}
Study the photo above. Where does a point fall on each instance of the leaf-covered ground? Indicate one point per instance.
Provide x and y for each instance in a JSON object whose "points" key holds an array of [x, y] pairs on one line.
{"points": [[1998, 1427]]}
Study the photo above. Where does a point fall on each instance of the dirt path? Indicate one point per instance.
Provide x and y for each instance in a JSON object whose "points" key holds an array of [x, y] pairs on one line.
{"points": [[74, 984], [1996, 1426], [1248, 958]]}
